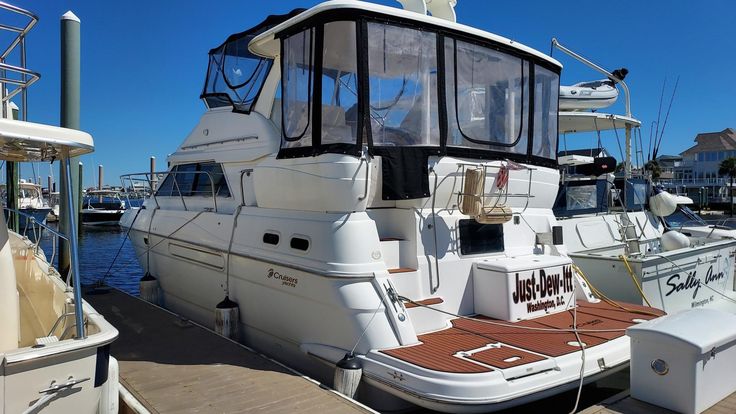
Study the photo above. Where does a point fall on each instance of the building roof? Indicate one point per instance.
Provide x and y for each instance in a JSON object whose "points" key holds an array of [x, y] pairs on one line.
{"points": [[713, 141], [669, 157]]}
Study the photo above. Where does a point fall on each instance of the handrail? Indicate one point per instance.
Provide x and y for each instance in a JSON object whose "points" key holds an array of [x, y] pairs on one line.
{"points": [[149, 179], [33, 220]]}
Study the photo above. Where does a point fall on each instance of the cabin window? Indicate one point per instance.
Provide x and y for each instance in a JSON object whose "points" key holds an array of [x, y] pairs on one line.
{"points": [[402, 67], [194, 179], [487, 97], [299, 243], [546, 90], [339, 84], [297, 80], [235, 75], [271, 238], [477, 238]]}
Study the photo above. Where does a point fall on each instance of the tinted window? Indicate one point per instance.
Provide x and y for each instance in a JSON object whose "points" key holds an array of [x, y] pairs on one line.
{"points": [[299, 243], [195, 179], [476, 238]]}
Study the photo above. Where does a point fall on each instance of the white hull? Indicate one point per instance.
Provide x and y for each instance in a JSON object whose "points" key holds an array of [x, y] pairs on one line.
{"points": [[697, 276], [29, 369], [309, 318]]}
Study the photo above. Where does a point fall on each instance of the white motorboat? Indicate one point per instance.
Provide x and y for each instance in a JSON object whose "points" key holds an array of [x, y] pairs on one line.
{"points": [[102, 208], [55, 355], [691, 224], [30, 202], [615, 234], [332, 193], [54, 347]]}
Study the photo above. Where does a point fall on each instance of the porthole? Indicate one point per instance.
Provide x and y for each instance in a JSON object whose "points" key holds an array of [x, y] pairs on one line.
{"points": [[299, 243], [271, 238]]}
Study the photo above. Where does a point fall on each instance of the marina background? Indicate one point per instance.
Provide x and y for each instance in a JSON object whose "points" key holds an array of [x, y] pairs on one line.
{"points": [[144, 63]]}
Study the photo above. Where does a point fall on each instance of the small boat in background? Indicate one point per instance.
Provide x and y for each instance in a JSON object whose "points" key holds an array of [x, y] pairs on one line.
{"points": [[30, 202], [591, 95], [102, 208]]}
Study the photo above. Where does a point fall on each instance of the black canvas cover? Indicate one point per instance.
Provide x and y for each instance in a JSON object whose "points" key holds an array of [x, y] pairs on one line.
{"points": [[405, 171]]}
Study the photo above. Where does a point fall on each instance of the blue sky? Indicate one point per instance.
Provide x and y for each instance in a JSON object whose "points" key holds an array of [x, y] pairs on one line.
{"points": [[143, 63]]}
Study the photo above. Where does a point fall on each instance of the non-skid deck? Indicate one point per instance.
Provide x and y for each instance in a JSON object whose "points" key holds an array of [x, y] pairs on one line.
{"points": [[471, 346], [623, 404], [173, 366]]}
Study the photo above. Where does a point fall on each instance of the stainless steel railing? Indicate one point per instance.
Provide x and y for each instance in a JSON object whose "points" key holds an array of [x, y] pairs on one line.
{"points": [[175, 191]]}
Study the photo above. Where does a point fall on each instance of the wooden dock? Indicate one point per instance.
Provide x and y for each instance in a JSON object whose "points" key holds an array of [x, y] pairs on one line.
{"points": [[171, 365], [622, 403]]}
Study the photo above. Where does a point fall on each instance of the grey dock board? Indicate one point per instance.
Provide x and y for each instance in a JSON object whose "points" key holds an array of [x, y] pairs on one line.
{"points": [[623, 403], [173, 366]]}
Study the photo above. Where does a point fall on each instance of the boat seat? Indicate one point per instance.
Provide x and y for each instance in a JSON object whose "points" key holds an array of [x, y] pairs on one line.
{"points": [[9, 306]]}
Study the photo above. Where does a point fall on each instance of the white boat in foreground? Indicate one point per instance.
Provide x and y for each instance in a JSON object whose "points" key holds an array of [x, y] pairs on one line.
{"points": [[50, 362], [333, 192], [54, 347]]}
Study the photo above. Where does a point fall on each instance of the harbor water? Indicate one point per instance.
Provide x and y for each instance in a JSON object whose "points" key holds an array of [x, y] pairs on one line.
{"points": [[105, 255]]}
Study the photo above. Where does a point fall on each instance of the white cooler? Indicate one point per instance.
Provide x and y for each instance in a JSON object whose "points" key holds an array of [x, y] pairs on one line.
{"points": [[685, 362], [516, 288]]}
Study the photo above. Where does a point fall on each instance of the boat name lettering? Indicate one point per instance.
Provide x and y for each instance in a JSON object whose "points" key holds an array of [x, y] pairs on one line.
{"points": [[692, 281], [529, 288], [285, 280]]}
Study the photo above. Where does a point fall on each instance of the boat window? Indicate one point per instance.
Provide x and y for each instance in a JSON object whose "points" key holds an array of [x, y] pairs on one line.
{"points": [[299, 243], [582, 197], [339, 84], [683, 216], [235, 75], [296, 88], [476, 238], [271, 238], [487, 97], [195, 179], [546, 87], [402, 67]]}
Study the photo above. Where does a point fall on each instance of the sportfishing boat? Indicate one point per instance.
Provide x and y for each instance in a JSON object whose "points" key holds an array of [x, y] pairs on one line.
{"points": [[614, 230], [30, 202], [334, 194], [102, 208]]}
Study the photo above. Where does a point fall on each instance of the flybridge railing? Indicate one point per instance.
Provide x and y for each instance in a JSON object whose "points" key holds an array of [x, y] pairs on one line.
{"points": [[26, 77], [151, 178]]}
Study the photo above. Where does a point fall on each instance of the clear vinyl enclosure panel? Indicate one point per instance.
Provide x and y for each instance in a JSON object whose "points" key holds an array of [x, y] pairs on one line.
{"points": [[402, 73], [235, 75], [494, 100]]}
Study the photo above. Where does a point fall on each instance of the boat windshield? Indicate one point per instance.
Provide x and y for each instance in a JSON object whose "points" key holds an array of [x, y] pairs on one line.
{"points": [[420, 87], [235, 76], [683, 216]]}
